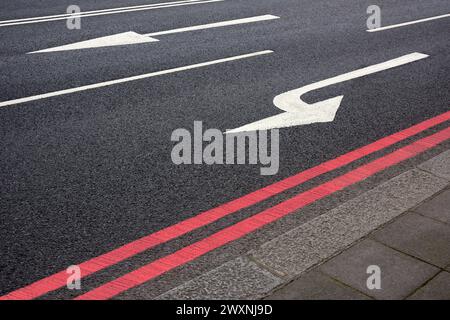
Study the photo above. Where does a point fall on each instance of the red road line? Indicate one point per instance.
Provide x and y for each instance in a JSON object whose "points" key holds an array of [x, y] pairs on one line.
{"points": [[58, 280], [240, 229]]}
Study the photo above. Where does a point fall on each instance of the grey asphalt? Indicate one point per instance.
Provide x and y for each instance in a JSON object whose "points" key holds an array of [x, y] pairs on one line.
{"points": [[84, 173]]}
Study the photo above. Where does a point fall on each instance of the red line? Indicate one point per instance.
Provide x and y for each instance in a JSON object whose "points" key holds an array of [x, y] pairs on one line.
{"points": [[126, 251], [240, 229]]}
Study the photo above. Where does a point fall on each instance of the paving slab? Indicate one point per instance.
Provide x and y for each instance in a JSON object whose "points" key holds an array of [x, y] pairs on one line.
{"points": [[239, 279], [437, 208], [418, 236], [400, 274], [301, 248], [439, 165], [315, 285], [437, 289]]}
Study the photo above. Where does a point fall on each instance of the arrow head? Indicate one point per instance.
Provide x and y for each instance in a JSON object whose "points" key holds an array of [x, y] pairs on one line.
{"points": [[319, 112], [119, 39], [325, 111]]}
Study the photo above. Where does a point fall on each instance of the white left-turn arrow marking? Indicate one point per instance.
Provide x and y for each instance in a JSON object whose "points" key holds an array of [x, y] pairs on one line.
{"points": [[298, 112], [131, 37]]}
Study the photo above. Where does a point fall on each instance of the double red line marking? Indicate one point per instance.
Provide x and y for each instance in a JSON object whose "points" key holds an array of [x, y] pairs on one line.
{"points": [[244, 227]]}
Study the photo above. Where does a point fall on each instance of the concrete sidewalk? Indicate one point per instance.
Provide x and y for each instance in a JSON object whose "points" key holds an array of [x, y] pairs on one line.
{"points": [[412, 252], [402, 227]]}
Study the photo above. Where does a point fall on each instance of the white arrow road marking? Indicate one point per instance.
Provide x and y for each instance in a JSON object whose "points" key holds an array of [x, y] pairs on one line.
{"points": [[123, 80], [103, 12], [408, 23], [299, 112], [114, 40], [134, 38]]}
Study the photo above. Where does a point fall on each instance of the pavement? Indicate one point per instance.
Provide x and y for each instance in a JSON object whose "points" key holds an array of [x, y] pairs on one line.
{"points": [[412, 252], [405, 233], [86, 174]]}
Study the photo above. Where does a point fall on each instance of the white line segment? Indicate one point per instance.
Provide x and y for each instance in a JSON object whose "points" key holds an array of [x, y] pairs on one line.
{"points": [[214, 25], [103, 12], [128, 79], [408, 23]]}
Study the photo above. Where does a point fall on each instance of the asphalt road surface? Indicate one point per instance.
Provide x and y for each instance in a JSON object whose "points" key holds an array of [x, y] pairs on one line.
{"points": [[86, 172]]}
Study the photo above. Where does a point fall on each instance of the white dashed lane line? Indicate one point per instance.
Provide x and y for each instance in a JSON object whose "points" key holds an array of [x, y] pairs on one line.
{"points": [[133, 78], [408, 23], [103, 12]]}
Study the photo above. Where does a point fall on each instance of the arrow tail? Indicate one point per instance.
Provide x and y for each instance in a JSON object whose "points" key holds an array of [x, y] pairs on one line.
{"points": [[393, 63]]}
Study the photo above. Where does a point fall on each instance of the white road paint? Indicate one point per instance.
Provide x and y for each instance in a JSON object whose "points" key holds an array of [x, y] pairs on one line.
{"points": [[126, 38], [128, 79], [93, 13], [408, 23], [298, 112], [114, 40], [215, 25]]}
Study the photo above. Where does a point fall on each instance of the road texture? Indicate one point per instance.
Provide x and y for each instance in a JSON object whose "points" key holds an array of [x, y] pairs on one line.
{"points": [[87, 172]]}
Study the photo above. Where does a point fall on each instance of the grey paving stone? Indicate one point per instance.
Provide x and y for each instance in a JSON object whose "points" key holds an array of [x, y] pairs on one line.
{"points": [[418, 236], [239, 279], [294, 252], [437, 208], [315, 285], [437, 289], [439, 165], [400, 274]]}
